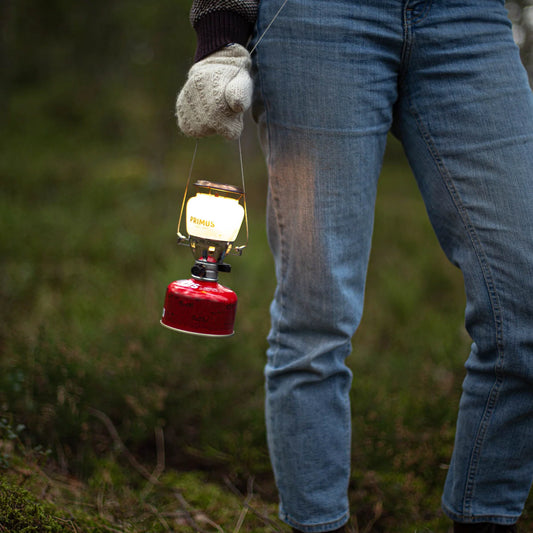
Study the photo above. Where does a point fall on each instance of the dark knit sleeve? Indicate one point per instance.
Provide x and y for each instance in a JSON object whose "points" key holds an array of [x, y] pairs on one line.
{"points": [[220, 22]]}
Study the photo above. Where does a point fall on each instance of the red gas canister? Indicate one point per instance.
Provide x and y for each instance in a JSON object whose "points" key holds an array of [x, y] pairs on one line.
{"points": [[200, 307]]}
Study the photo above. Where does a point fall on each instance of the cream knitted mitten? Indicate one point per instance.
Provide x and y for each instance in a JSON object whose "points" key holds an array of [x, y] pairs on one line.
{"points": [[217, 92]]}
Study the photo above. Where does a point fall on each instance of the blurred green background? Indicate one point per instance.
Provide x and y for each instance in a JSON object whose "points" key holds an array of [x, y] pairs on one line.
{"points": [[107, 420]]}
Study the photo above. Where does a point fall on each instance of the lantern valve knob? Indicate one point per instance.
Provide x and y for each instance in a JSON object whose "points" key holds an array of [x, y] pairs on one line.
{"points": [[224, 267], [198, 271]]}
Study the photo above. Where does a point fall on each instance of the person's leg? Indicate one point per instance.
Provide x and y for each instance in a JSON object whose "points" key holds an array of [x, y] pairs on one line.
{"points": [[325, 111], [465, 117]]}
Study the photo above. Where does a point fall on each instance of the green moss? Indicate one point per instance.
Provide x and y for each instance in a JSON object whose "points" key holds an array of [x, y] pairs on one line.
{"points": [[20, 512]]}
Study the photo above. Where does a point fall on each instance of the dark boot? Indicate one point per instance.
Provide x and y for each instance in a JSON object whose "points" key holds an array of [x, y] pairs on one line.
{"points": [[483, 528]]}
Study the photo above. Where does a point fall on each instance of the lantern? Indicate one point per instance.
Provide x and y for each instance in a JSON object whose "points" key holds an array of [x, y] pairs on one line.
{"points": [[200, 305]]}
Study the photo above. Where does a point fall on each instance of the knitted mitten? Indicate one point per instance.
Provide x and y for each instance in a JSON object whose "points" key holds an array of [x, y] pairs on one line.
{"points": [[217, 92]]}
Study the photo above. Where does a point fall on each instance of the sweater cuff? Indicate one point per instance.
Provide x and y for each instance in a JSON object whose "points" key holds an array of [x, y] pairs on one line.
{"points": [[219, 28]]}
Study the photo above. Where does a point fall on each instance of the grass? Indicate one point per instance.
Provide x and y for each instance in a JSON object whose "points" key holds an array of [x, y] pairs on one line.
{"points": [[89, 249], [112, 499], [110, 422]]}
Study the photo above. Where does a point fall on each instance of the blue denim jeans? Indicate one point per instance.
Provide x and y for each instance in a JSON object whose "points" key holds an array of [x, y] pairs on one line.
{"points": [[333, 77]]}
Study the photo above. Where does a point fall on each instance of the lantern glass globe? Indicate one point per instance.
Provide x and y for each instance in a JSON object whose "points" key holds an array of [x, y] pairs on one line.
{"points": [[214, 217]]}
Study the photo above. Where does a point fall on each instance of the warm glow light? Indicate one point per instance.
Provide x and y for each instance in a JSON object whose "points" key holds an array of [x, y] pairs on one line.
{"points": [[214, 217]]}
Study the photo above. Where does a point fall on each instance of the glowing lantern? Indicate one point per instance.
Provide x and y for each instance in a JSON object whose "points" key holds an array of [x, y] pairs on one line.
{"points": [[200, 305]]}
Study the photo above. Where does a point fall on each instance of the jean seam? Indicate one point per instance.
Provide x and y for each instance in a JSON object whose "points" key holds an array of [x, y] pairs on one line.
{"points": [[335, 524], [494, 303], [482, 518], [274, 199], [275, 211], [408, 22], [418, 18], [407, 36]]}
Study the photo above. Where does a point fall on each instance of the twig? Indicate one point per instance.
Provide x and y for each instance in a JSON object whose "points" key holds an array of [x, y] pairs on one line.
{"points": [[378, 511], [122, 447], [247, 505], [211, 523], [160, 452], [249, 495], [163, 522], [355, 523], [100, 502], [112, 529], [68, 522], [160, 464], [187, 515], [240, 521]]}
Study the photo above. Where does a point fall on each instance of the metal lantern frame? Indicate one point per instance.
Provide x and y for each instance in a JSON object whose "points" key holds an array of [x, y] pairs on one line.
{"points": [[200, 305], [239, 192]]}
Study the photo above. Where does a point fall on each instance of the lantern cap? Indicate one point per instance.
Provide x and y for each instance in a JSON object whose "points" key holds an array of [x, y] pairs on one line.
{"points": [[222, 187]]}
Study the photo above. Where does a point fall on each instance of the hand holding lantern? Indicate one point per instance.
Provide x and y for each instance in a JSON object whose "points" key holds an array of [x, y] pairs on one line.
{"points": [[200, 305]]}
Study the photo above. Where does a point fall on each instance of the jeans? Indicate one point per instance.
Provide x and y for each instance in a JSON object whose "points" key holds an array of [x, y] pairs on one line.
{"points": [[333, 78]]}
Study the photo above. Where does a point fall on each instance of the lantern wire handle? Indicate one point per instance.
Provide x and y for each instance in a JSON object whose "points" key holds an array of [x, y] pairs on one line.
{"points": [[239, 249], [181, 238], [268, 27]]}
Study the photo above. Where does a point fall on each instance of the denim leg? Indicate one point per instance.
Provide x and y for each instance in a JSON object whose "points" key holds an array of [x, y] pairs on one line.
{"points": [[465, 117], [324, 134]]}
